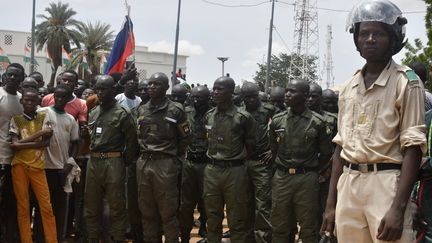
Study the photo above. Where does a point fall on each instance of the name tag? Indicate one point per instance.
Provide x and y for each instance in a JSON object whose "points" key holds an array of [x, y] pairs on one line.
{"points": [[171, 119], [98, 130]]}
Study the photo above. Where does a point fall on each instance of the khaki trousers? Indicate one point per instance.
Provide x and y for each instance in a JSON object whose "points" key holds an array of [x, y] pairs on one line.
{"points": [[363, 200], [22, 177]]}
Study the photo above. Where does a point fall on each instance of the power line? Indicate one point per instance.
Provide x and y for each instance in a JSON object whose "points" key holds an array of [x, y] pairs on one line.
{"points": [[235, 6], [347, 11]]}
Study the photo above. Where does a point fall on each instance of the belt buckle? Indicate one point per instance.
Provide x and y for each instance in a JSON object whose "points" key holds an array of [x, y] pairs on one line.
{"points": [[102, 155], [363, 168], [292, 171]]}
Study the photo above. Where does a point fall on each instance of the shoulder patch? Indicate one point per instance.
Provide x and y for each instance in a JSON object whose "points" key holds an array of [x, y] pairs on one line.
{"points": [[411, 75], [243, 112], [178, 106]]}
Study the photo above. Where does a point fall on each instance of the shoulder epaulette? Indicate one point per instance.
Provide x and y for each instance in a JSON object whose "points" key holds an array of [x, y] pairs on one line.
{"points": [[411, 75], [189, 109], [243, 111], [177, 105], [317, 115], [331, 114], [210, 111], [269, 107]]}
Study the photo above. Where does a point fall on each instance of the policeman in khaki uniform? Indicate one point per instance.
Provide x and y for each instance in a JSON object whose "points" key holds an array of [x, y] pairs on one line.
{"points": [[260, 173], [314, 103], [163, 135], [113, 145], [231, 137], [193, 168], [300, 143], [381, 134]]}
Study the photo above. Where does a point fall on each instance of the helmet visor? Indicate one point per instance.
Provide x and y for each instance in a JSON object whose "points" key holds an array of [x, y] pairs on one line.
{"points": [[382, 11]]}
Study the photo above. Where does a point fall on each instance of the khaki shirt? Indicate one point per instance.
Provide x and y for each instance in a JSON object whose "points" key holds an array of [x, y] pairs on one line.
{"points": [[377, 124], [113, 130], [199, 142], [229, 133], [163, 128], [299, 140], [262, 117]]}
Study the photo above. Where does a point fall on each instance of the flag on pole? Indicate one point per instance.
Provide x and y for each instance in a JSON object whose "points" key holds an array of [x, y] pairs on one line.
{"points": [[123, 47], [66, 59], [85, 65], [102, 63], [27, 56], [4, 59]]}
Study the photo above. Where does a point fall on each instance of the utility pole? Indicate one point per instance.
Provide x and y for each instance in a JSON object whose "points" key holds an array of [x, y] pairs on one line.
{"points": [[223, 60], [328, 58], [32, 52], [174, 76], [269, 52]]}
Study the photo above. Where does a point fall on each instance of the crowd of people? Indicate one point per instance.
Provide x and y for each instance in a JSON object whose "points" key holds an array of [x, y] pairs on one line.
{"points": [[116, 158]]}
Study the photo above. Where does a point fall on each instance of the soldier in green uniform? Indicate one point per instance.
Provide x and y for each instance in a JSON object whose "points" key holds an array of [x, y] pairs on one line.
{"points": [[163, 135], [113, 145], [231, 137], [179, 93], [300, 144], [314, 103], [277, 98], [330, 101], [193, 168], [260, 173]]}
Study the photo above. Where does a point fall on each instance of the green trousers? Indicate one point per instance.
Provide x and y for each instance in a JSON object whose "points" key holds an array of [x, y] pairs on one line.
{"points": [[105, 178], [191, 195], [134, 213], [158, 198], [296, 194], [230, 186], [260, 176]]}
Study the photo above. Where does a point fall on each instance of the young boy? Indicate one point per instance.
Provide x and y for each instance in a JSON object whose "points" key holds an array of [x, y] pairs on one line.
{"points": [[63, 145], [30, 133]]}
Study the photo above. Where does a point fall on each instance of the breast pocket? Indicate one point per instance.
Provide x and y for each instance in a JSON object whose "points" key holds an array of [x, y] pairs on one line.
{"points": [[365, 116]]}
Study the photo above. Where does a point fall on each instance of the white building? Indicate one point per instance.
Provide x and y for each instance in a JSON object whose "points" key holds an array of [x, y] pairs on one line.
{"points": [[146, 62]]}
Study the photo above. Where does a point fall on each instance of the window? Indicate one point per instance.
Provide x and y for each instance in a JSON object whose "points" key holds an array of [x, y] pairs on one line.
{"points": [[8, 40], [29, 41]]}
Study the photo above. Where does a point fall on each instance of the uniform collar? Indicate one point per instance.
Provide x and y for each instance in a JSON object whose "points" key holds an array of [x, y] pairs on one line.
{"points": [[381, 80], [161, 106], [230, 111], [306, 113]]}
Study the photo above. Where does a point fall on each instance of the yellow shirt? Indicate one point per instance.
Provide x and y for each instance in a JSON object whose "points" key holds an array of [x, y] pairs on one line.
{"points": [[23, 127], [376, 124]]}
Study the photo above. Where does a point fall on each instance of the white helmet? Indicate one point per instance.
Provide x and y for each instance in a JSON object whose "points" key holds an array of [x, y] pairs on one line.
{"points": [[382, 11]]}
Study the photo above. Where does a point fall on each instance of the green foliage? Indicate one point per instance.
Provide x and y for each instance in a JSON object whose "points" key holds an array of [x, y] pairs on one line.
{"points": [[58, 29], [280, 69], [418, 51], [95, 39]]}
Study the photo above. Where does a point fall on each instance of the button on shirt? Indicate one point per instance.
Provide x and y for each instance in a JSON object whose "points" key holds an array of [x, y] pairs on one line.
{"points": [[299, 139], [228, 133], [376, 124]]}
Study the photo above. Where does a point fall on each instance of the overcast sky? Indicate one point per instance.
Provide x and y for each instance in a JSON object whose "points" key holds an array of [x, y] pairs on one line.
{"points": [[208, 31]]}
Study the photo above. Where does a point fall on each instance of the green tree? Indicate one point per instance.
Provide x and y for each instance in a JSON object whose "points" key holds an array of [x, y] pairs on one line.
{"points": [[418, 51], [280, 69], [95, 39], [58, 29]]}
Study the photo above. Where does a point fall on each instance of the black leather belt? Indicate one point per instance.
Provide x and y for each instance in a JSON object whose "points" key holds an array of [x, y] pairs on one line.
{"points": [[155, 155], [364, 168], [226, 163], [199, 158], [294, 170]]}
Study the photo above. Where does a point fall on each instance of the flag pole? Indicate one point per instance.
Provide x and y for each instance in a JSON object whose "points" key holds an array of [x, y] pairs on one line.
{"points": [[128, 8]]}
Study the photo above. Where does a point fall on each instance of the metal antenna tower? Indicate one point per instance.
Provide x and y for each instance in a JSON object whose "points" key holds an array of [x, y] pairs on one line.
{"points": [[306, 39], [328, 62]]}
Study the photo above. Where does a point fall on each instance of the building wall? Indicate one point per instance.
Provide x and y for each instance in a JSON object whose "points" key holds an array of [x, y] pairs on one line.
{"points": [[146, 62]]}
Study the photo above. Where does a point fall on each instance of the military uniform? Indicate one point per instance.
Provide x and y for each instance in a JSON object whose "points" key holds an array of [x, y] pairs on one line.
{"points": [[261, 174], [113, 145], [163, 134], [193, 172], [299, 141], [330, 120], [225, 177]]}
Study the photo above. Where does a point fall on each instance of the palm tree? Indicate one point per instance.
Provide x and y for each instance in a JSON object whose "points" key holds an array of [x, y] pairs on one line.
{"points": [[95, 39], [59, 29]]}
